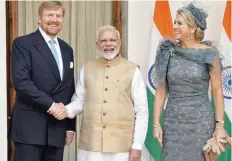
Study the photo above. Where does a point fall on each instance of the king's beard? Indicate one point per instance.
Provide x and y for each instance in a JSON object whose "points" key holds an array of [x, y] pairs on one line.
{"points": [[110, 56]]}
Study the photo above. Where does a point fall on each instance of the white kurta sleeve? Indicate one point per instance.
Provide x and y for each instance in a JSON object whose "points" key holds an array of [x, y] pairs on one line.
{"points": [[76, 105], [139, 97]]}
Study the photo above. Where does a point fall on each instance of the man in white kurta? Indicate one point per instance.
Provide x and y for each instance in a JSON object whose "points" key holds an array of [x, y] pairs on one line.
{"points": [[112, 96]]}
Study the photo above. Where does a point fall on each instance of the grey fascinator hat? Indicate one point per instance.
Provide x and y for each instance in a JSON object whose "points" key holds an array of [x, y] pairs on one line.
{"points": [[199, 14]]}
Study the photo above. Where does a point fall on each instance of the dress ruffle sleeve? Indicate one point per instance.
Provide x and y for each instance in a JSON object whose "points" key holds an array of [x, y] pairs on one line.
{"points": [[213, 58], [159, 69]]}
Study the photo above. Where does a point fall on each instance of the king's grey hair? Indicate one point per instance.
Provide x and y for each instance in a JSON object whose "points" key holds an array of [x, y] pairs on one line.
{"points": [[107, 27]]}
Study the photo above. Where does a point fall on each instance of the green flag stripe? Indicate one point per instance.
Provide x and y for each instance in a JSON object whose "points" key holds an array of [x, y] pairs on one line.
{"points": [[152, 144]]}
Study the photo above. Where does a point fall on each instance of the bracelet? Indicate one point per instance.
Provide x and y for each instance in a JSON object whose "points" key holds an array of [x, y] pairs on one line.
{"points": [[219, 127], [219, 121], [156, 126]]}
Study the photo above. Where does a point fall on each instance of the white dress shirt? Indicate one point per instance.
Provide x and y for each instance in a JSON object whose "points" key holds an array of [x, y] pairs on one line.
{"points": [[139, 98]]}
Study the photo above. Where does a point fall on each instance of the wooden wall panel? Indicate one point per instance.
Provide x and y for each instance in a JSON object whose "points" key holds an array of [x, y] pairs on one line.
{"points": [[12, 33]]}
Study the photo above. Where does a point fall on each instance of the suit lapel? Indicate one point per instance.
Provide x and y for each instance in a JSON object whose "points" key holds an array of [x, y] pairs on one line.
{"points": [[66, 66], [65, 59], [44, 50]]}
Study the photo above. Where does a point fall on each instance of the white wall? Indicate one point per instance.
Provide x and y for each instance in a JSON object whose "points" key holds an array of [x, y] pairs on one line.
{"points": [[140, 15], [3, 92]]}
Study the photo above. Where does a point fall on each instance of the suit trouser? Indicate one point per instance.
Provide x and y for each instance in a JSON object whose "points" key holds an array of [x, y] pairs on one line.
{"points": [[29, 152]]}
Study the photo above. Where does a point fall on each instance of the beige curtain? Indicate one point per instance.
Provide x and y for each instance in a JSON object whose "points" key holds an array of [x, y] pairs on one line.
{"points": [[82, 19]]}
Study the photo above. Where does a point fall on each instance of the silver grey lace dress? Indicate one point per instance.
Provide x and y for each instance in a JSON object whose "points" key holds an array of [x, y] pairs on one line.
{"points": [[189, 117]]}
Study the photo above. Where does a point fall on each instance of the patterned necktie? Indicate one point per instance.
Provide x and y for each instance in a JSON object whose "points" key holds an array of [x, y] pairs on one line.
{"points": [[54, 52]]}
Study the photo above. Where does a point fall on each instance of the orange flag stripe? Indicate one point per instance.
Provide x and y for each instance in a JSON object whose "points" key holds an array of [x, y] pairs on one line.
{"points": [[163, 19], [227, 19]]}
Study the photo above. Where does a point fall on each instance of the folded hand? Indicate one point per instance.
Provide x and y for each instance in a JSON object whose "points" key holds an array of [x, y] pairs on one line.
{"points": [[59, 111]]}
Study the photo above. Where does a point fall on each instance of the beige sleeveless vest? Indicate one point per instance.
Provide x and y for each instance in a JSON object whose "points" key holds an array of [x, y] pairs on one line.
{"points": [[108, 114]]}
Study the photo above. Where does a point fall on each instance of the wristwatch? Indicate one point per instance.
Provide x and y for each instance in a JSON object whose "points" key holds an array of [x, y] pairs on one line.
{"points": [[156, 126], [219, 121]]}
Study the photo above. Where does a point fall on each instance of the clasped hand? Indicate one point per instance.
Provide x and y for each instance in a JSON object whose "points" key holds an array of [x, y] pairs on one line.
{"points": [[59, 111]]}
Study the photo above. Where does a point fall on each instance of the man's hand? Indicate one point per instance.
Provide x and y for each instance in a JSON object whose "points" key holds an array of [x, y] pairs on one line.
{"points": [[135, 155], [69, 137], [59, 111]]}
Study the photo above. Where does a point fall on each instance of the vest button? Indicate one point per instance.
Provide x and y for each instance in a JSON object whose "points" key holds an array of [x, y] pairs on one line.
{"points": [[104, 114], [104, 126], [107, 77], [104, 101], [108, 66], [106, 89]]}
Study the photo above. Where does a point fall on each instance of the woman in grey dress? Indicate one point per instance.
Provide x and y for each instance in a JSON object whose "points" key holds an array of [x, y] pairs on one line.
{"points": [[183, 70]]}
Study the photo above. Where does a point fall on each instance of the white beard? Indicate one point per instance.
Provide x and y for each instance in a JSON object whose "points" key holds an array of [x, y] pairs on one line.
{"points": [[110, 56]]}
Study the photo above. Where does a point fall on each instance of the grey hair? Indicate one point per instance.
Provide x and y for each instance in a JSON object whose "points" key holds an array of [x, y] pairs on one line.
{"points": [[107, 27]]}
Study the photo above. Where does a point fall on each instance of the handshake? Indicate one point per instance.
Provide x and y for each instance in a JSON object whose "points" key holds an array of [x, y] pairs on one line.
{"points": [[59, 111]]}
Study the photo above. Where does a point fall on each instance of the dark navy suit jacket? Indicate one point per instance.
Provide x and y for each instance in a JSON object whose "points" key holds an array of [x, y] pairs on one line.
{"points": [[37, 82]]}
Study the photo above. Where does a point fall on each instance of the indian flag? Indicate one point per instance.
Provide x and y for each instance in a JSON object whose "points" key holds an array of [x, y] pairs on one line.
{"points": [[163, 16]]}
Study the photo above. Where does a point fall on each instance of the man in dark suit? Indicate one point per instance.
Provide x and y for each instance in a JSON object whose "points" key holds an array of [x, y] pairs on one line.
{"points": [[43, 77]]}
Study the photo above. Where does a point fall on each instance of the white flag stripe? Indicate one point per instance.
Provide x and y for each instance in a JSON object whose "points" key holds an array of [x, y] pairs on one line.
{"points": [[155, 38], [146, 155], [225, 48]]}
